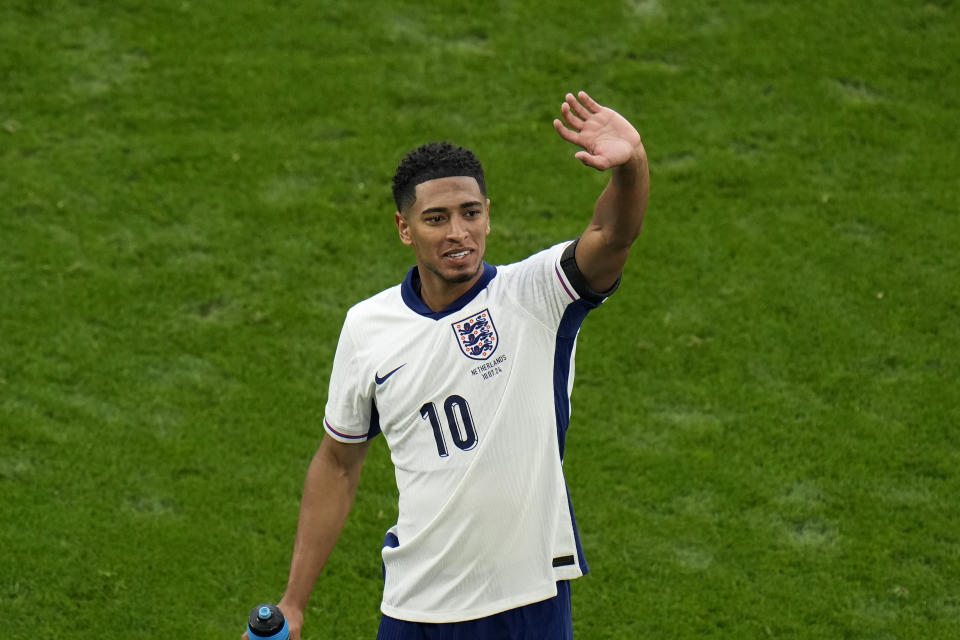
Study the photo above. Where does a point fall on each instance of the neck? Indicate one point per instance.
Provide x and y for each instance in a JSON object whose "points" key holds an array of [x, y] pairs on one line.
{"points": [[438, 293]]}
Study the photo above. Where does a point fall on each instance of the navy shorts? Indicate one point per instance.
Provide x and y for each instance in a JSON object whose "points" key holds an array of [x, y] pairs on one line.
{"points": [[547, 620]]}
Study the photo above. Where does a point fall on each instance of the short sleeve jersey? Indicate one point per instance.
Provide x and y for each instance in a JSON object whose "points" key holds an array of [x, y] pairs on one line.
{"points": [[474, 403]]}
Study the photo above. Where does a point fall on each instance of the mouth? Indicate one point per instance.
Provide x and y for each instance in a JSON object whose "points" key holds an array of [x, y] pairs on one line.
{"points": [[457, 254]]}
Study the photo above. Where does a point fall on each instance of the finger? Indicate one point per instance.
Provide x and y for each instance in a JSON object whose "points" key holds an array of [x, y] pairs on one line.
{"points": [[589, 102], [566, 134], [600, 163], [578, 108], [570, 118]]}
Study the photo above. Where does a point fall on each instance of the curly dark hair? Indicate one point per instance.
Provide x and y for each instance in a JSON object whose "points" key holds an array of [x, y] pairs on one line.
{"points": [[432, 161]]}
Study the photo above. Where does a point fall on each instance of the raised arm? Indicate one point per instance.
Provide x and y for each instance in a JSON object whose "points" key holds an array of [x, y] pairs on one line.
{"points": [[608, 142], [328, 493]]}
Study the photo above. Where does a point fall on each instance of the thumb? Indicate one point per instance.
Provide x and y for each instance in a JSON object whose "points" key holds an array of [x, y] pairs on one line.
{"points": [[600, 163]]}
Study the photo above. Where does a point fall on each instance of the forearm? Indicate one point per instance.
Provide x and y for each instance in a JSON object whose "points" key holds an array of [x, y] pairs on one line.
{"points": [[328, 495], [618, 214], [605, 244]]}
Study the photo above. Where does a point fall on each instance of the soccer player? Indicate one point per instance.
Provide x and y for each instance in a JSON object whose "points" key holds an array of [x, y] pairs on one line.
{"points": [[466, 370]]}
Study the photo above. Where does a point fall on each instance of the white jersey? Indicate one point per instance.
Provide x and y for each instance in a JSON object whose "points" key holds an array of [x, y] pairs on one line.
{"points": [[474, 402]]}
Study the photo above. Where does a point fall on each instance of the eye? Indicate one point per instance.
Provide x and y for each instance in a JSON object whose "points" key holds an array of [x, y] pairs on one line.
{"points": [[473, 213], [433, 219]]}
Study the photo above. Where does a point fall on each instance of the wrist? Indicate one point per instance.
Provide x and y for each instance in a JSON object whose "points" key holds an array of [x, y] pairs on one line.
{"points": [[639, 155], [632, 169], [292, 603]]}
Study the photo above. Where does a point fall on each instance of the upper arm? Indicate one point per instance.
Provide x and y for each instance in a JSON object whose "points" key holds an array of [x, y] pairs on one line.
{"points": [[600, 262], [343, 457], [349, 414]]}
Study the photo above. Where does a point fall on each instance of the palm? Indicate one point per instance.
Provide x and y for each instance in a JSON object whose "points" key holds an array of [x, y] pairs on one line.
{"points": [[606, 137]]}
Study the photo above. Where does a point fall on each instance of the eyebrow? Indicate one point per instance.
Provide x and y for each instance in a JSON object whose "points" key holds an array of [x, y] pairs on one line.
{"points": [[465, 205]]}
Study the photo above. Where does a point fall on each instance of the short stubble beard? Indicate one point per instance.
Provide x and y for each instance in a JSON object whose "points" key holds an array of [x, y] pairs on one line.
{"points": [[457, 279]]}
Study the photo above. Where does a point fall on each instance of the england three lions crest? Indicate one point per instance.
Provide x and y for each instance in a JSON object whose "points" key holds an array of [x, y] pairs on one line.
{"points": [[477, 335]]}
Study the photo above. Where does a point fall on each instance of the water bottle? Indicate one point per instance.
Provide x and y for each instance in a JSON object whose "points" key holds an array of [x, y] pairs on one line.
{"points": [[266, 622]]}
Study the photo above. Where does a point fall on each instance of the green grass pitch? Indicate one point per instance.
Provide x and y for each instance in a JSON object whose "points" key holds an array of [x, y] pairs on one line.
{"points": [[764, 439]]}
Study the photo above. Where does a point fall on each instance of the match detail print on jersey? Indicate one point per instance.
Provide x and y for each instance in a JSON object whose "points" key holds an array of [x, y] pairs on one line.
{"points": [[476, 335]]}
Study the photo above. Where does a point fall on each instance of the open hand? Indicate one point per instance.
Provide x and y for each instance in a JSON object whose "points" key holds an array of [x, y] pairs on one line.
{"points": [[607, 138]]}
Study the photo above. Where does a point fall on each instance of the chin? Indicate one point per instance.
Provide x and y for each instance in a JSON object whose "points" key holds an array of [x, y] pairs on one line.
{"points": [[461, 275]]}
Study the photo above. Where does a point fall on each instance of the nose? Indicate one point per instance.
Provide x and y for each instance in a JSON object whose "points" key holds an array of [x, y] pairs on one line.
{"points": [[457, 231]]}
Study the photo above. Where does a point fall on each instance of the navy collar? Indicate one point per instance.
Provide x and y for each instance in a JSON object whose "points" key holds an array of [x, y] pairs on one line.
{"points": [[410, 291]]}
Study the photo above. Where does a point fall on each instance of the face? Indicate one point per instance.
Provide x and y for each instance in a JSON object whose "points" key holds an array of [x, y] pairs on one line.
{"points": [[447, 227]]}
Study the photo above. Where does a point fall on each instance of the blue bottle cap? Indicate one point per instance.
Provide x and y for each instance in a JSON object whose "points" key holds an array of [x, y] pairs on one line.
{"points": [[264, 613]]}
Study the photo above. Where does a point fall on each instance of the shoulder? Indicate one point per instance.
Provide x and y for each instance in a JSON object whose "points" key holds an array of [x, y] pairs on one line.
{"points": [[543, 260], [556, 269], [375, 306]]}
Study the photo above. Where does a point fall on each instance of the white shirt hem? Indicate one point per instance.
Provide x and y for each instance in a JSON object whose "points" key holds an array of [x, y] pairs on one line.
{"points": [[411, 615]]}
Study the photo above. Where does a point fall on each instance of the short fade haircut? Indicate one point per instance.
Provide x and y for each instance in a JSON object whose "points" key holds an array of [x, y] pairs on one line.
{"points": [[432, 161]]}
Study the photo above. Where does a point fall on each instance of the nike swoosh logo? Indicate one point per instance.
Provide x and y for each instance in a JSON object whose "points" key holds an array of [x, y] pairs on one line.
{"points": [[379, 380]]}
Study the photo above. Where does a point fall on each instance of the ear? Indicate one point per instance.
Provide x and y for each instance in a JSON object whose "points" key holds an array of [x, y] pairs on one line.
{"points": [[403, 228]]}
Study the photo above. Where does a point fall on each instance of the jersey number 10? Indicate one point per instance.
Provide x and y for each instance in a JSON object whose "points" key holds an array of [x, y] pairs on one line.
{"points": [[459, 422]]}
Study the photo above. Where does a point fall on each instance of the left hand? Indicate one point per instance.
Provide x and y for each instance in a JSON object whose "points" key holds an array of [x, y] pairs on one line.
{"points": [[607, 138]]}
